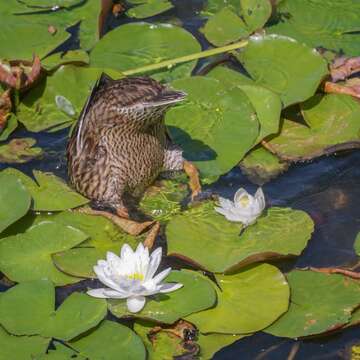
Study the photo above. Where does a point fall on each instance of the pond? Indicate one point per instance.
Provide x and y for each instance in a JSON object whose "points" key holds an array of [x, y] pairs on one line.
{"points": [[265, 109]]}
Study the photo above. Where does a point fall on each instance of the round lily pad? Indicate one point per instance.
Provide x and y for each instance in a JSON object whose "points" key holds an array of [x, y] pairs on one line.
{"points": [[266, 103], [319, 303], [210, 123], [261, 166], [281, 64], [154, 43], [19, 40], [10, 127], [49, 192], [27, 256], [39, 111], [212, 343], [333, 126], [21, 347], [148, 8], [333, 25], [14, 200], [225, 27], [248, 301], [110, 340], [168, 308], [103, 236], [28, 309], [278, 233]]}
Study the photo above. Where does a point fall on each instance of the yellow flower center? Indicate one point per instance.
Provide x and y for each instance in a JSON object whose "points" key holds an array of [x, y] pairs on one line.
{"points": [[136, 276], [244, 201]]}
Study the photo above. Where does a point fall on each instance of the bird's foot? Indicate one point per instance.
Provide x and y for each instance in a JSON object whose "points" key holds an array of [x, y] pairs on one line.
{"points": [[194, 179], [121, 220]]}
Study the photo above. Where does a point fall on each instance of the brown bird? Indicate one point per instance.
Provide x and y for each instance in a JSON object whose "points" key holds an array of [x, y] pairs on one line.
{"points": [[120, 144]]}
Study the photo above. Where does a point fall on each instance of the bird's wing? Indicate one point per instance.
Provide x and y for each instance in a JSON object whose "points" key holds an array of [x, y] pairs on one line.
{"points": [[79, 130]]}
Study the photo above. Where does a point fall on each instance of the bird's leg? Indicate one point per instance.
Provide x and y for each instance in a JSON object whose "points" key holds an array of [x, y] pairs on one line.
{"points": [[174, 161], [121, 220], [194, 179], [151, 236]]}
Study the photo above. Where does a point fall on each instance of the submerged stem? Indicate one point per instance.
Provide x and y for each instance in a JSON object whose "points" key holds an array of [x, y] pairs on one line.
{"points": [[182, 59]]}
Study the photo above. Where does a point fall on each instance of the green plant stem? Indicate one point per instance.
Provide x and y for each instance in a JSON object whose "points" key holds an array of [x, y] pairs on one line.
{"points": [[182, 59]]}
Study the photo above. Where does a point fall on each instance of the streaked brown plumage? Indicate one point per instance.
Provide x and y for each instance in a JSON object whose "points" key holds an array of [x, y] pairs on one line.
{"points": [[119, 145]]}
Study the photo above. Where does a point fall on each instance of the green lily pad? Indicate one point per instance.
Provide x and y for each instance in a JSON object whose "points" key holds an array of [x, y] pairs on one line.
{"points": [[27, 256], [19, 151], [261, 166], [255, 13], [357, 244], [213, 6], [333, 25], [28, 309], [154, 43], [103, 235], [109, 341], [319, 303], [281, 232], [77, 314], [233, 23], [50, 4], [21, 347], [61, 352], [209, 125], [168, 308], [15, 200], [281, 64], [162, 201], [230, 78], [267, 104], [212, 343], [74, 57], [49, 192], [84, 12], [11, 125], [248, 301], [19, 40], [225, 27], [39, 111], [148, 8], [333, 126]]}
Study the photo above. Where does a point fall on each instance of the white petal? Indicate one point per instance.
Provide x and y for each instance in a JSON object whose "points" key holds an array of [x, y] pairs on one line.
{"points": [[106, 280], [161, 276], [230, 215], [260, 197], [225, 203], [155, 259], [239, 194], [113, 294], [98, 293], [135, 304], [126, 252], [168, 287]]}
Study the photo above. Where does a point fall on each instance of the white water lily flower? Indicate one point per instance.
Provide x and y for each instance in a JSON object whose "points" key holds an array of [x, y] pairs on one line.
{"points": [[245, 208], [131, 276]]}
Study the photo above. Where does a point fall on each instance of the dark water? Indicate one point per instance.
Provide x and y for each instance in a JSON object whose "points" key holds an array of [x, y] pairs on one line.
{"points": [[328, 189]]}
